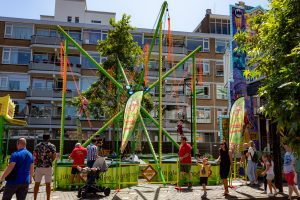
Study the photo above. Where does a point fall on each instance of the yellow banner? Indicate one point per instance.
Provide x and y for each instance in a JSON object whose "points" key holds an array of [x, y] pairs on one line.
{"points": [[131, 114]]}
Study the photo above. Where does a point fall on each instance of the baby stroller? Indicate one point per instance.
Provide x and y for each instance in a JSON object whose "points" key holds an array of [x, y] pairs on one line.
{"points": [[93, 173]]}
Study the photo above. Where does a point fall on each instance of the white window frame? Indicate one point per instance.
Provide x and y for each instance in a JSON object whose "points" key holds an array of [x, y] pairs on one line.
{"points": [[221, 40], [206, 110], [6, 33], [218, 95], [6, 50], [220, 111], [205, 67], [5, 80], [219, 63]]}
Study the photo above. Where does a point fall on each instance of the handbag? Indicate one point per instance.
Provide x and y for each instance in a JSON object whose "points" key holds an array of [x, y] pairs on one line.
{"points": [[13, 174]]}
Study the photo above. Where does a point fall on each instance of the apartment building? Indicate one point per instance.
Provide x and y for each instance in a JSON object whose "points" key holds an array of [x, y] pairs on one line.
{"points": [[30, 73]]}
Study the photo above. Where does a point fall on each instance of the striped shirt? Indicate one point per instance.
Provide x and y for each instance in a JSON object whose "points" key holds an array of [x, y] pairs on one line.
{"points": [[91, 152]]}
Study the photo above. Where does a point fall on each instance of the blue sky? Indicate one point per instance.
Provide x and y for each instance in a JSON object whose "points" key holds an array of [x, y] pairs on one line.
{"points": [[185, 14]]}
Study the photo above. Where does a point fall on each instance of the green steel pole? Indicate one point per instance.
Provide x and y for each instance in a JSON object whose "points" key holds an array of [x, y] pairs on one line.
{"points": [[157, 125], [63, 99], [123, 73], [7, 142], [103, 128], [92, 60], [160, 97], [174, 68], [118, 109], [152, 151], [194, 104], [163, 8], [1, 136]]}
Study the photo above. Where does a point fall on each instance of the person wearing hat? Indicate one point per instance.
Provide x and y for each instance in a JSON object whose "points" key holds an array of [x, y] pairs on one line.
{"points": [[78, 155]]}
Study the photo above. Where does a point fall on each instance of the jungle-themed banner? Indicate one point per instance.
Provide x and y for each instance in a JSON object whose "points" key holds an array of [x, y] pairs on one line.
{"points": [[131, 114], [236, 122], [240, 21]]}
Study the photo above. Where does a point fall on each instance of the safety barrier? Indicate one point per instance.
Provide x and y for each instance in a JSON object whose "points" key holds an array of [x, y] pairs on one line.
{"points": [[121, 175]]}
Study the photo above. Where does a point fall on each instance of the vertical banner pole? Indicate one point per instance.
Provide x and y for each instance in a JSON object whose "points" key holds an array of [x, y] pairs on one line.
{"points": [[160, 95], [194, 104]]}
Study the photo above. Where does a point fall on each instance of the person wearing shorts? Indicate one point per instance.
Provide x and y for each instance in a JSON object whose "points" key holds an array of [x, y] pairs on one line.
{"points": [[204, 173], [45, 154], [78, 155], [269, 173], [185, 159], [289, 170]]}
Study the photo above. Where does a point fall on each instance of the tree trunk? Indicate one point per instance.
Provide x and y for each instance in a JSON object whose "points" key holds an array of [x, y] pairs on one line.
{"points": [[277, 157]]}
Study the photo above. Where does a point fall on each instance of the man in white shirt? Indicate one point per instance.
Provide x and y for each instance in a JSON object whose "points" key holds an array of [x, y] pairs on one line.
{"points": [[251, 166]]}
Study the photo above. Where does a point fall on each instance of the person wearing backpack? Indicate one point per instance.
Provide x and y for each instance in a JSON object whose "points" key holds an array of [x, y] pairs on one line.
{"points": [[251, 163]]}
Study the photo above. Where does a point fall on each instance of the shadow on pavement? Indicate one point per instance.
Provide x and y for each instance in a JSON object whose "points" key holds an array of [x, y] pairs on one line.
{"points": [[156, 193]]}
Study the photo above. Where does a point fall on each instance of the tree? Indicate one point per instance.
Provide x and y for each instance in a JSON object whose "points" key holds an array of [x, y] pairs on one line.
{"points": [[119, 44], [274, 51]]}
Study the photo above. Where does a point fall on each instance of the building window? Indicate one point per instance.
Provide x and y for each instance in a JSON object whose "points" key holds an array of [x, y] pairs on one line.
{"points": [[219, 68], [209, 137], [14, 82], [18, 31], [221, 92], [76, 19], [138, 38], [203, 92], [3, 82], [46, 32], [86, 62], [96, 21], [103, 35], [221, 111], [221, 45], [69, 19], [19, 56], [91, 36], [21, 109], [41, 110], [193, 43], [219, 26], [203, 115]]}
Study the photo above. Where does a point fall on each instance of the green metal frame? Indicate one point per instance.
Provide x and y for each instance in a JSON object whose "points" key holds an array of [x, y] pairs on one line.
{"points": [[122, 90]]}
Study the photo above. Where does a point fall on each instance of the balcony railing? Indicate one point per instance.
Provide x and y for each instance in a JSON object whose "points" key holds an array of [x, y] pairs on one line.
{"points": [[51, 93], [51, 66], [54, 120], [174, 50], [48, 40]]}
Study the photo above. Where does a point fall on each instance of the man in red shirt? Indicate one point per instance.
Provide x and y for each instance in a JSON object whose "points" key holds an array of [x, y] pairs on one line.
{"points": [[78, 154], [185, 159]]}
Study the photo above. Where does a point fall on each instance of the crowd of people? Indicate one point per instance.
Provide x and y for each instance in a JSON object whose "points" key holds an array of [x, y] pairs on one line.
{"points": [[251, 159], [24, 166]]}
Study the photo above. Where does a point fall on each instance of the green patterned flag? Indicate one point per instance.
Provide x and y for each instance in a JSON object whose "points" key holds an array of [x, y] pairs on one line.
{"points": [[236, 122], [131, 114]]}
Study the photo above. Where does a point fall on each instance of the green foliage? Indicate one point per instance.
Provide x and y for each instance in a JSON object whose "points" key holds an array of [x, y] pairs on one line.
{"points": [[102, 95], [275, 52]]}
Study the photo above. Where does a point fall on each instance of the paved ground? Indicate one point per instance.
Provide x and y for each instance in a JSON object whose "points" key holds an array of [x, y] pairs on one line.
{"points": [[155, 192]]}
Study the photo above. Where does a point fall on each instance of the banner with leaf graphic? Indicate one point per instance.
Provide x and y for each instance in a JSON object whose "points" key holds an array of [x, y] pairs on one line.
{"points": [[132, 111], [236, 122]]}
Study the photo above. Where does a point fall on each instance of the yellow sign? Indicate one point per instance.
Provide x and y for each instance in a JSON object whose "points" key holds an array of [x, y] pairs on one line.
{"points": [[149, 173], [7, 110], [7, 107]]}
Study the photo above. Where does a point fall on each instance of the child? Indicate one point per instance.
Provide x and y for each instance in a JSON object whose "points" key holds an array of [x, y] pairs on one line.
{"points": [[204, 173], [269, 171]]}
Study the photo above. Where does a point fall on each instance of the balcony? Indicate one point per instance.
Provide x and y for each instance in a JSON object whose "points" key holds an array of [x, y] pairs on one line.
{"points": [[48, 120], [51, 66], [48, 40], [174, 98], [174, 50], [50, 93]]}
